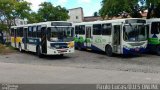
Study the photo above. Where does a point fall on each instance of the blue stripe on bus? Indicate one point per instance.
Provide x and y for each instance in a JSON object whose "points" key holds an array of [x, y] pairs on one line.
{"points": [[133, 51], [95, 48], [34, 41]]}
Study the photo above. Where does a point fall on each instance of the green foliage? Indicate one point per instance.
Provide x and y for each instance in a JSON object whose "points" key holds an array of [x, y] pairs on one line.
{"points": [[10, 10], [153, 8], [47, 12], [34, 18], [118, 7], [95, 14], [22, 9], [3, 27]]}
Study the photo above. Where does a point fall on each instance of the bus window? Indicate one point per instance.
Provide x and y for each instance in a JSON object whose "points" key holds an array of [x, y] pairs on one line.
{"points": [[30, 32], [97, 29], [72, 32], [82, 29], [106, 29], [12, 32], [21, 32], [116, 37], [155, 29], [147, 28], [39, 31], [34, 34], [76, 29]]}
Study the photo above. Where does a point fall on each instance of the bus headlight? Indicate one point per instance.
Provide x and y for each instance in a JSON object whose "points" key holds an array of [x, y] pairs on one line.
{"points": [[126, 47], [71, 44]]}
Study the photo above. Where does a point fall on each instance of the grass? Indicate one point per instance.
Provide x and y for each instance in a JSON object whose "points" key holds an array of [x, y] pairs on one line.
{"points": [[6, 49]]}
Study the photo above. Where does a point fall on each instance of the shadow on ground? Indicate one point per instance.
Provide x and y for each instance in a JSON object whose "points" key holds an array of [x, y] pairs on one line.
{"points": [[114, 55], [49, 57]]}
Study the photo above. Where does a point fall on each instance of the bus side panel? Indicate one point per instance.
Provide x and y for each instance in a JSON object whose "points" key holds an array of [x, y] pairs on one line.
{"points": [[106, 40], [97, 43], [32, 43], [12, 42]]}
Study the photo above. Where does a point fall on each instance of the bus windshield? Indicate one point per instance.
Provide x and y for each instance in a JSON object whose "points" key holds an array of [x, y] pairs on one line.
{"points": [[134, 33], [60, 34]]}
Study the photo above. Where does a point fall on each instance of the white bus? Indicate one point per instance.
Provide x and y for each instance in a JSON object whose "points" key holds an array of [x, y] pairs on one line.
{"points": [[154, 35], [46, 38], [121, 36]]}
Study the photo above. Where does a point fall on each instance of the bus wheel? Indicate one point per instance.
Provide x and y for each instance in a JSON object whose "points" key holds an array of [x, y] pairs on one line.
{"points": [[19, 47], [80, 47], [38, 51], [158, 50], [108, 50], [61, 55]]}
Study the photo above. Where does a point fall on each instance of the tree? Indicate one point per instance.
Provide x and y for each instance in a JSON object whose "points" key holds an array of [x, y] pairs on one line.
{"points": [[153, 8], [47, 12], [34, 18], [120, 8], [95, 14], [11, 9]]}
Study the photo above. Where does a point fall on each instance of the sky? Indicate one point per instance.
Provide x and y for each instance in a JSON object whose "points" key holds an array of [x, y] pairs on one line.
{"points": [[89, 6]]}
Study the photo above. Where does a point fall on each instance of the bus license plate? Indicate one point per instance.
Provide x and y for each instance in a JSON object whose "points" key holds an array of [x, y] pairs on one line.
{"points": [[62, 51]]}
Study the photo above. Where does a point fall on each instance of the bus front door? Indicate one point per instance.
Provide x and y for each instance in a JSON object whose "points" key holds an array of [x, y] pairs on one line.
{"points": [[44, 40], [116, 39], [88, 36], [25, 38]]}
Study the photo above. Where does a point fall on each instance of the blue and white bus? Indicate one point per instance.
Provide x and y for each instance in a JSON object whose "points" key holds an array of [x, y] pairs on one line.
{"points": [[120, 36], [45, 38]]}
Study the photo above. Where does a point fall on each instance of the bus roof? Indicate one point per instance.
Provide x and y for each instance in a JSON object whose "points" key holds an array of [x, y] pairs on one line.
{"points": [[109, 21], [153, 20], [48, 23]]}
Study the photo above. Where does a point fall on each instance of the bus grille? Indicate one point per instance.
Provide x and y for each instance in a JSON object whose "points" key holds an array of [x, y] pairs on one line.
{"points": [[59, 45]]}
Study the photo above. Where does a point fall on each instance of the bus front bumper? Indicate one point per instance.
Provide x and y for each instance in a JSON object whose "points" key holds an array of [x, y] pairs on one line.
{"points": [[134, 51], [60, 51]]}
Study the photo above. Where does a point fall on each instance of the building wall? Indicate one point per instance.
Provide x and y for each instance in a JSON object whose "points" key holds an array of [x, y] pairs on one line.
{"points": [[76, 15], [92, 18]]}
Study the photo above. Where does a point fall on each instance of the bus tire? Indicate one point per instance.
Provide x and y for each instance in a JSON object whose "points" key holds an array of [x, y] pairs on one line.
{"points": [[19, 48], [108, 51], [39, 52], [80, 47], [61, 55], [158, 50]]}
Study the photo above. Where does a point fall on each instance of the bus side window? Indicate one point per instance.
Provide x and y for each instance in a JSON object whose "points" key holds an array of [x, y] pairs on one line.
{"points": [[97, 29], [147, 28], [21, 31], [72, 32], [76, 29], [38, 31], [18, 29], [30, 32], [34, 34], [106, 29], [12, 32], [82, 29], [155, 28]]}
